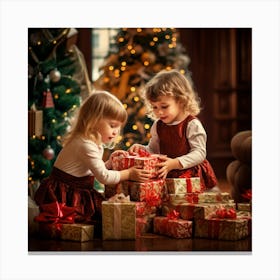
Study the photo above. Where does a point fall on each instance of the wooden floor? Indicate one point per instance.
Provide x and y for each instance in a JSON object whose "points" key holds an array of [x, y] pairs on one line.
{"points": [[147, 243]]}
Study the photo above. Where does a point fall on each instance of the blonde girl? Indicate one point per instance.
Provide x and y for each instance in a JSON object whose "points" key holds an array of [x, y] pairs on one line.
{"points": [[177, 133], [99, 121]]}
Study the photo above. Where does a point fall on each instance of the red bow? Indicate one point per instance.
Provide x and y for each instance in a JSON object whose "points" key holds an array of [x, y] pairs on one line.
{"points": [[56, 213], [247, 194], [173, 215], [224, 213]]}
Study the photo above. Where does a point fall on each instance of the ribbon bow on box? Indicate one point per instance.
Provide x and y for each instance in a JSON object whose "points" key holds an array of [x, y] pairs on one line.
{"points": [[56, 212], [224, 213]]}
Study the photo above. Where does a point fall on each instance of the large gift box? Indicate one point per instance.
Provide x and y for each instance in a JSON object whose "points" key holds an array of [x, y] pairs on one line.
{"points": [[183, 185], [118, 218], [73, 232], [176, 228]]}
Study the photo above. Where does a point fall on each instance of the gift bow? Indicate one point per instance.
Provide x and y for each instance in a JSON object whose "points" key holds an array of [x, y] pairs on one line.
{"points": [[224, 213], [247, 195], [56, 212], [173, 215]]}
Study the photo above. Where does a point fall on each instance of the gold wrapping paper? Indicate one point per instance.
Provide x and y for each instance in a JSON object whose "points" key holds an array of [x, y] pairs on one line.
{"points": [[73, 232], [222, 229], [213, 197], [118, 220]]}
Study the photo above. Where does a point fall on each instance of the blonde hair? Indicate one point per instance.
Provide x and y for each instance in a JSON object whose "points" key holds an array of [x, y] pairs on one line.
{"points": [[99, 105], [171, 83]]}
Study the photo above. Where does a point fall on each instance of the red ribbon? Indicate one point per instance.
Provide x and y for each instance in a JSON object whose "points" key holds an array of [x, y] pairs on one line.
{"points": [[173, 215], [224, 213], [247, 195], [56, 213], [152, 198]]}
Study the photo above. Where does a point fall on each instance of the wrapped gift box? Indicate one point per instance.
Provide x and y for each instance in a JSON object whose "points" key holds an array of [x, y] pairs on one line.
{"points": [[150, 192], [144, 224], [183, 185], [111, 190], [190, 211], [121, 162], [73, 232], [143, 209], [244, 207], [118, 220], [222, 229], [176, 228]]}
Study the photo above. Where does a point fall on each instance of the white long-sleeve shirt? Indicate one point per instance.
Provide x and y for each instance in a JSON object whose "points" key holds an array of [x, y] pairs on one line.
{"points": [[83, 157], [196, 135]]}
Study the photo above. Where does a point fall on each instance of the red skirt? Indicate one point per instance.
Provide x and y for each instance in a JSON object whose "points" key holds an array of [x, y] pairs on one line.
{"points": [[204, 170], [77, 192]]}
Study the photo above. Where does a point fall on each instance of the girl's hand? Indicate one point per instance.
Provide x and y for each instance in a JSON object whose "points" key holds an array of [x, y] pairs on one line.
{"points": [[135, 148], [166, 165], [139, 175]]}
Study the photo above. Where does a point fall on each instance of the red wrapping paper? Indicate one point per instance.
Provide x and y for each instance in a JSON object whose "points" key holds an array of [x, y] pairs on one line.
{"points": [[150, 192], [176, 228], [145, 161]]}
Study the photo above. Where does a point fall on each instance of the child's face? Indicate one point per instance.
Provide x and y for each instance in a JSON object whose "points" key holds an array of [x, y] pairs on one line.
{"points": [[108, 129], [167, 109]]}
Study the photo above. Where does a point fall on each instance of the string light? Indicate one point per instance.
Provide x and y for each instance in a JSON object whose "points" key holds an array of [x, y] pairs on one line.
{"points": [[139, 30], [121, 39], [56, 96], [146, 126], [146, 63], [136, 98], [53, 120], [132, 89], [43, 172], [133, 51], [111, 68], [125, 106], [134, 127], [67, 91], [127, 144], [152, 43]]}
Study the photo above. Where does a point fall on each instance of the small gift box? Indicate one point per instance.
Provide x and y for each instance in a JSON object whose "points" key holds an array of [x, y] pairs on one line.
{"points": [[173, 227], [72, 232], [214, 197], [244, 207], [118, 218], [223, 224], [222, 229]]}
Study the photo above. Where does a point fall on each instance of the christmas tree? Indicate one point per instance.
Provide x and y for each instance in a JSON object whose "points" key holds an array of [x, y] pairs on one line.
{"points": [[54, 93], [134, 57]]}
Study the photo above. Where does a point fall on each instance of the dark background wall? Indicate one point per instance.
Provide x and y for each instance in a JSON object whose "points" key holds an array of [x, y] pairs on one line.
{"points": [[221, 66]]}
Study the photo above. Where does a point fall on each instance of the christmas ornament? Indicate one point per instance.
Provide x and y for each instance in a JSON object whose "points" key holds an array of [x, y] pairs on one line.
{"points": [[48, 153], [55, 76], [48, 99]]}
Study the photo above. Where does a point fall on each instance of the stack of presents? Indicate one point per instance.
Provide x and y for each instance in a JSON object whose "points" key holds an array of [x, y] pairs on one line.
{"points": [[174, 207]]}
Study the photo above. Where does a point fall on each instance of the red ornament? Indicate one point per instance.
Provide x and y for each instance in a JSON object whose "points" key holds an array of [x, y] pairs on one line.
{"points": [[48, 153], [48, 99]]}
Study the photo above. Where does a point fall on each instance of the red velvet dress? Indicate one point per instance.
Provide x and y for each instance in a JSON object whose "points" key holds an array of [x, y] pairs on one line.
{"points": [[173, 143], [75, 192]]}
